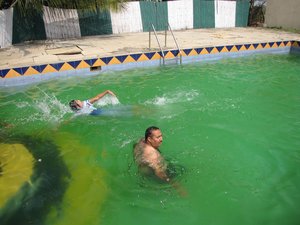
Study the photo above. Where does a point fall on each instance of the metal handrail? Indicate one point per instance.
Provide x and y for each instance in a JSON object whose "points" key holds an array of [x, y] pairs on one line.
{"points": [[162, 52], [175, 43]]}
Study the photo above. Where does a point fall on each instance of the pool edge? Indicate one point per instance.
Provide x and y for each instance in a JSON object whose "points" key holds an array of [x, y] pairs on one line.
{"points": [[36, 73]]}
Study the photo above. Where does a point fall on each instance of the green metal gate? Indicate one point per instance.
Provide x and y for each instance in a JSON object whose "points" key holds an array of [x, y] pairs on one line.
{"points": [[204, 13], [242, 13], [155, 13], [27, 27], [94, 22]]}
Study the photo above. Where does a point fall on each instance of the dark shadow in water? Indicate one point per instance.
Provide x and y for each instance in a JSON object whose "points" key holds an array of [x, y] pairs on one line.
{"points": [[48, 184], [175, 171]]}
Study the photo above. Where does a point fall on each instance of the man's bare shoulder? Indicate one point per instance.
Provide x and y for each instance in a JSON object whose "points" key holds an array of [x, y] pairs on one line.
{"points": [[151, 152]]}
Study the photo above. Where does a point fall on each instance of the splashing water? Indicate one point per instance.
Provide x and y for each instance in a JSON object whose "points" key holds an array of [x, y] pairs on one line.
{"points": [[176, 98], [50, 109], [107, 100]]}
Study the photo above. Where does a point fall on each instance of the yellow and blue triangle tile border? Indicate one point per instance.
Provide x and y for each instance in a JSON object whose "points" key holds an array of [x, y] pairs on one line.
{"points": [[139, 57]]}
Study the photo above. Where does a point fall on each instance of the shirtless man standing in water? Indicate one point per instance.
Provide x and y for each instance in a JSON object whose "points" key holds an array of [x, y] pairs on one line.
{"points": [[148, 157]]}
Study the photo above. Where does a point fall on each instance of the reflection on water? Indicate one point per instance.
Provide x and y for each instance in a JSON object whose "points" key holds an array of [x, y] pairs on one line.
{"points": [[230, 129]]}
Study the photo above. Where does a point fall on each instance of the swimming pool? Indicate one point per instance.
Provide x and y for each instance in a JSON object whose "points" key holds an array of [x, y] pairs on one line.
{"points": [[232, 126]]}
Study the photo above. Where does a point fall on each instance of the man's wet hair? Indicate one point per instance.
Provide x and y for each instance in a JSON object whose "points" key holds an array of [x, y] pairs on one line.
{"points": [[149, 131], [73, 105]]}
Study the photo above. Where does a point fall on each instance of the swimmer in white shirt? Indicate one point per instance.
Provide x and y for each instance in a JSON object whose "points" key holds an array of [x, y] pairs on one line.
{"points": [[77, 105]]}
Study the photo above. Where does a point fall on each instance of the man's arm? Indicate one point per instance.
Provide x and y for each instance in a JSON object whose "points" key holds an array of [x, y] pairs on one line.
{"points": [[156, 162], [101, 95]]}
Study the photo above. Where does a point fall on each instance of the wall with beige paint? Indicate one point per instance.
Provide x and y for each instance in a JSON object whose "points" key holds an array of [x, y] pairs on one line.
{"points": [[285, 14]]}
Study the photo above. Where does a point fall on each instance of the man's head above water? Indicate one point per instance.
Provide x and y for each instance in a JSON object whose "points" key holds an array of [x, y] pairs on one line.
{"points": [[75, 105], [153, 137]]}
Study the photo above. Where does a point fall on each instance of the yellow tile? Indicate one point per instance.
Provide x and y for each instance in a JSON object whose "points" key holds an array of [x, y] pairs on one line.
{"points": [[143, 57], [31, 71], [114, 61], [214, 51], [251, 47], [204, 51], [130, 59], [49, 69], [66, 66], [193, 52], [156, 56], [234, 49], [169, 55], [12, 73], [99, 62], [243, 48], [295, 44], [82, 65], [224, 49], [275, 45], [259, 46], [281, 45], [289, 44], [182, 53]]}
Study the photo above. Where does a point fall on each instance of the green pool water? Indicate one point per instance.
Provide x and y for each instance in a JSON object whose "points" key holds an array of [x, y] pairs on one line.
{"points": [[231, 128]]}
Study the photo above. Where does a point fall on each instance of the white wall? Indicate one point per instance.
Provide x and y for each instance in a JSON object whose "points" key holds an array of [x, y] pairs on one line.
{"points": [[128, 20], [6, 25], [225, 13], [61, 23], [180, 14]]}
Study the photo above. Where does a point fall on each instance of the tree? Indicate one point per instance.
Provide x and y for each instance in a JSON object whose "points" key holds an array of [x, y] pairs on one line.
{"points": [[65, 4]]}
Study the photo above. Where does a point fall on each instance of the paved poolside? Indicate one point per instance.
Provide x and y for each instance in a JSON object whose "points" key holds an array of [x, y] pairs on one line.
{"points": [[53, 51]]}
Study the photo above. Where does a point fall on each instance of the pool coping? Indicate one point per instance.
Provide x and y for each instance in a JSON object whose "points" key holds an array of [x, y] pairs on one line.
{"points": [[35, 73]]}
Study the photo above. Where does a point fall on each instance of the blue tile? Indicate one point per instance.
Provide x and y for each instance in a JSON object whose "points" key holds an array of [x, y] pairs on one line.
{"points": [[19, 70], [175, 52], [271, 44], [229, 47], [90, 61], [4, 72], [160, 54], [209, 49], [136, 56], [238, 47], [42, 67], [198, 50], [74, 64], [187, 51], [121, 58], [166, 52], [219, 48], [247, 46], [263, 44], [106, 60], [57, 66], [150, 54]]}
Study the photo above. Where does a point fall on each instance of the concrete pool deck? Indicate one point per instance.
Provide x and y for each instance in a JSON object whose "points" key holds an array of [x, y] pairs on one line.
{"points": [[54, 51]]}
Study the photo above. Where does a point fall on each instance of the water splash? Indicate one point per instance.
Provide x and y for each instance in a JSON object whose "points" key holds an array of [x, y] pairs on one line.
{"points": [[107, 100], [171, 98], [50, 109]]}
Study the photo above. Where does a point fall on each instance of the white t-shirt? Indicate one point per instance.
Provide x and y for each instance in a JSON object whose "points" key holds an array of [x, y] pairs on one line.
{"points": [[87, 107]]}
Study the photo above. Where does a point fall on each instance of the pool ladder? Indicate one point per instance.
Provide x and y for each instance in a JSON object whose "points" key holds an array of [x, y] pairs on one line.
{"points": [[161, 50]]}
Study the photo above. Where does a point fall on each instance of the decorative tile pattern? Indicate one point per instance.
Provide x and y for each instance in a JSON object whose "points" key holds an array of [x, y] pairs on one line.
{"points": [[139, 57]]}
